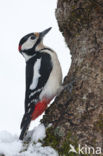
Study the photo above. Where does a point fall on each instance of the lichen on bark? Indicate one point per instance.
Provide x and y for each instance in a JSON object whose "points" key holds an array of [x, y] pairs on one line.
{"points": [[53, 139]]}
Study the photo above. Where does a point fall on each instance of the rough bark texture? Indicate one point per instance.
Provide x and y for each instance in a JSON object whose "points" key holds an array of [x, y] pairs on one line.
{"points": [[77, 114]]}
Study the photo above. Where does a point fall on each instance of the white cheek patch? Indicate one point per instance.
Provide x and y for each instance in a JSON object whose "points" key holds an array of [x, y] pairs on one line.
{"points": [[36, 74], [28, 44]]}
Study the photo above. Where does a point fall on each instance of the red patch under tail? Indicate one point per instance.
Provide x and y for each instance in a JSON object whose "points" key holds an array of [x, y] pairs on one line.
{"points": [[40, 108]]}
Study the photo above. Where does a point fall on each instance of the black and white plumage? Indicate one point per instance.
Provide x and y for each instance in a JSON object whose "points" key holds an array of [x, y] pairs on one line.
{"points": [[43, 76]]}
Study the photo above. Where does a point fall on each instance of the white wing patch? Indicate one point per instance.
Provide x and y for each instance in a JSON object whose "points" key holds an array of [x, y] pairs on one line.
{"points": [[36, 91], [36, 74]]}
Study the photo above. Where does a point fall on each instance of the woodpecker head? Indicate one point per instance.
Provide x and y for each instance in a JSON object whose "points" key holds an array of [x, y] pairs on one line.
{"points": [[29, 43]]}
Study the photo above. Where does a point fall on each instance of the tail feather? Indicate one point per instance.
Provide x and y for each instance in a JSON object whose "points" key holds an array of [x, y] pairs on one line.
{"points": [[40, 107], [24, 126], [25, 118], [21, 126]]}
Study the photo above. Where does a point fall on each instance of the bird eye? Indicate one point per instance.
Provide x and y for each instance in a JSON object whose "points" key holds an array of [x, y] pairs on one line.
{"points": [[32, 37]]}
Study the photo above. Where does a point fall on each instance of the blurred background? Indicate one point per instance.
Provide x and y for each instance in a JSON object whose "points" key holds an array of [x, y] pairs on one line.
{"points": [[18, 18]]}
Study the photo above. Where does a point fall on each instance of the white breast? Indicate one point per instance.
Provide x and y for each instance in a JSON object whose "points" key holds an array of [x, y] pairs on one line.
{"points": [[54, 82]]}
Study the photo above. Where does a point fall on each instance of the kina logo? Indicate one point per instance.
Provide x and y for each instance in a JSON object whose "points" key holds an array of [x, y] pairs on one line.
{"points": [[85, 150], [72, 149]]}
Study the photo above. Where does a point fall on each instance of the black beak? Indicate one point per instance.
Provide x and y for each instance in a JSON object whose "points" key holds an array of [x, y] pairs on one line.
{"points": [[43, 33]]}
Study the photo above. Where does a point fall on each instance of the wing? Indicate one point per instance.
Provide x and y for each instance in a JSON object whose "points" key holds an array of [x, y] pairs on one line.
{"points": [[38, 70]]}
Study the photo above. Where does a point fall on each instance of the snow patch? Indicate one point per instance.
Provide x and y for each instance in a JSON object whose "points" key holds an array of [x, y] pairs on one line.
{"points": [[10, 145], [39, 133], [38, 150], [7, 137]]}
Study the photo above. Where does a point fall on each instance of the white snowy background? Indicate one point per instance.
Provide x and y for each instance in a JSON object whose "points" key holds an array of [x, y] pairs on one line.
{"points": [[18, 18]]}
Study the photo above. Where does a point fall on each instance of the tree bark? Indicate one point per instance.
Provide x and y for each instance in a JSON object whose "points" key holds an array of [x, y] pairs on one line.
{"points": [[77, 113]]}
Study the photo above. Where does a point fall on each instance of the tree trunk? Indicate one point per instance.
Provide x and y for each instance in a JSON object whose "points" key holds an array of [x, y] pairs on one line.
{"points": [[77, 113]]}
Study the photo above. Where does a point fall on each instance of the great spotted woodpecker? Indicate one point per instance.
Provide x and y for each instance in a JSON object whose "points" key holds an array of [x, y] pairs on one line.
{"points": [[43, 77]]}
